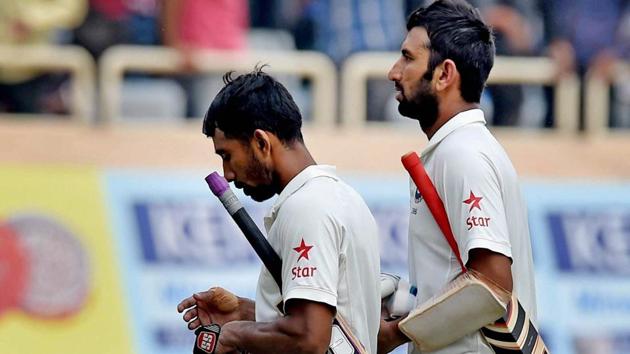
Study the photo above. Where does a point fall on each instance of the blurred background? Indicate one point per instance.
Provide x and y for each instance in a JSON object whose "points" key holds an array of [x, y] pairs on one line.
{"points": [[105, 220]]}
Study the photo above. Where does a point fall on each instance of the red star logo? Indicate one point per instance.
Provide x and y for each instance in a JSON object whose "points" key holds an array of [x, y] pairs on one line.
{"points": [[473, 201], [303, 250]]}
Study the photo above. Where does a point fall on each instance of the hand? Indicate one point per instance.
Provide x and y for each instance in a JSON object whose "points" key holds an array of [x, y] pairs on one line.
{"points": [[216, 305], [226, 340], [389, 336], [603, 64], [563, 54]]}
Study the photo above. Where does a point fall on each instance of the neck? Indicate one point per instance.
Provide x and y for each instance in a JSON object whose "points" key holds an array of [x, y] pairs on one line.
{"points": [[446, 112], [290, 160]]}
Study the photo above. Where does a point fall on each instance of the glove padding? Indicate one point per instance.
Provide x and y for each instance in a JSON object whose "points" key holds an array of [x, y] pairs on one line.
{"points": [[224, 300], [397, 295]]}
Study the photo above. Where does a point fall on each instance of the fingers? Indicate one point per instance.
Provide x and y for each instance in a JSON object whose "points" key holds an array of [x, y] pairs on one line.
{"points": [[218, 298], [200, 308], [194, 324], [204, 296], [192, 317], [186, 303], [190, 314]]}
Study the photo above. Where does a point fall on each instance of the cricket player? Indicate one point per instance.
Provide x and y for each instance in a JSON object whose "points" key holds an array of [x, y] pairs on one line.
{"points": [[444, 63], [319, 226]]}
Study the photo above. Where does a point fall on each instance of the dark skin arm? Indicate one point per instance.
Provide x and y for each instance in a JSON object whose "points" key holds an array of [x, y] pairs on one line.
{"points": [[389, 336], [494, 266], [305, 329]]}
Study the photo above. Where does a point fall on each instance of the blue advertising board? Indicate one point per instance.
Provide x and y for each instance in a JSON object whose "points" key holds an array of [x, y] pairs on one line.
{"points": [[174, 238], [581, 239]]}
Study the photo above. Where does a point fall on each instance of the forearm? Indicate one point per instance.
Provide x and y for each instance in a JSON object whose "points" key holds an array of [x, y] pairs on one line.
{"points": [[247, 309], [262, 338]]}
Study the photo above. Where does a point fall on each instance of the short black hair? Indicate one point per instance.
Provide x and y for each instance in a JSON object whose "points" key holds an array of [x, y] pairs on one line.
{"points": [[457, 32], [253, 101]]}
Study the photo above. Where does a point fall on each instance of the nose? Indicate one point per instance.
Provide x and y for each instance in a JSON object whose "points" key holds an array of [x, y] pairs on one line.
{"points": [[394, 72], [229, 175]]}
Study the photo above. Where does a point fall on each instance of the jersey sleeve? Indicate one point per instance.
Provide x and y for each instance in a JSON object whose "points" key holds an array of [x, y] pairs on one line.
{"points": [[472, 196], [310, 252]]}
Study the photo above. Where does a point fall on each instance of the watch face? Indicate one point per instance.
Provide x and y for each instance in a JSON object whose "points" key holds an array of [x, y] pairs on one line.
{"points": [[14, 269], [58, 276]]}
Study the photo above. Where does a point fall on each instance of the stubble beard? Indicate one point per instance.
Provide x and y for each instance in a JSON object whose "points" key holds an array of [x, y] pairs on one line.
{"points": [[258, 172], [422, 106]]}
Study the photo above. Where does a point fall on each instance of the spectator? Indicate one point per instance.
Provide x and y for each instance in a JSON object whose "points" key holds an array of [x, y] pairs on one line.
{"points": [[340, 28], [585, 35], [344, 27], [111, 22], [191, 25], [26, 22], [583, 32], [514, 25]]}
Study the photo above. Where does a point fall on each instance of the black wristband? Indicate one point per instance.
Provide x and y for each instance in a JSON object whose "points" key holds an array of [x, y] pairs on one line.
{"points": [[207, 338]]}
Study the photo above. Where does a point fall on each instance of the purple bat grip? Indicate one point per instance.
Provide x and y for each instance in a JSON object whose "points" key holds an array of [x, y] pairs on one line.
{"points": [[218, 185]]}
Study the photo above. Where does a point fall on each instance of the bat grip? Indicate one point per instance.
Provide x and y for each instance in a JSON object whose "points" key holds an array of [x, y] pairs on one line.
{"points": [[261, 246], [256, 239]]}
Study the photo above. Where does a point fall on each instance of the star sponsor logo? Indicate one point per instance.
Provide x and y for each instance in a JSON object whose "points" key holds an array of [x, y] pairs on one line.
{"points": [[303, 249], [303, 272], [475, 221], [473, 201]]}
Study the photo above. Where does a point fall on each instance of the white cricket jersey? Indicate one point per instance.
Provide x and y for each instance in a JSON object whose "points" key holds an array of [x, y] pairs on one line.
{"points": [[328, 241], [479, 187]]}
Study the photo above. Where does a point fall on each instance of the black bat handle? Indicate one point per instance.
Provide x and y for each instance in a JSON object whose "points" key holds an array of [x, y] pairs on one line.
{"points": [[261, 246]]}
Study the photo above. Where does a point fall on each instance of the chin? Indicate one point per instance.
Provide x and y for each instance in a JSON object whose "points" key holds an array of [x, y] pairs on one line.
{"points": [[259, 195], [261, 198], [408, 110]]}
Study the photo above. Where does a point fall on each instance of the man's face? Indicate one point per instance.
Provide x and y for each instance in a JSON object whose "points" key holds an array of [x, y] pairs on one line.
{"points": [[244, 168], [413, 83]]}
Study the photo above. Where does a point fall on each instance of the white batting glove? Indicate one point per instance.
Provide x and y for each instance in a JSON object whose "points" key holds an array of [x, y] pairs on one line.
{"points": [[397, 295]]}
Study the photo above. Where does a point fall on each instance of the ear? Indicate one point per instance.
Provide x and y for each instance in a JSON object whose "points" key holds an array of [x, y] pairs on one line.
{"points": [[446, 75], [261, 142]]}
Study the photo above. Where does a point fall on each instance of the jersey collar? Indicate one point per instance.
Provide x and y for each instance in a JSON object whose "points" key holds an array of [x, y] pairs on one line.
{"points": [[459, 120], [295, 184]]}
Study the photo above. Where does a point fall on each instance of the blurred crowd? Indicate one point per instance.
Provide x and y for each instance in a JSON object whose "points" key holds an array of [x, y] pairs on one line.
{"points": [[579, 35]]}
